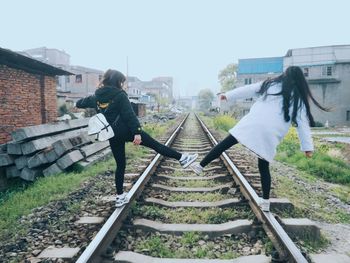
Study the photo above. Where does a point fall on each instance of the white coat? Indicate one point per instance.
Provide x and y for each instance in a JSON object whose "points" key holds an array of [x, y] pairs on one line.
{"points": [[263, 128]]}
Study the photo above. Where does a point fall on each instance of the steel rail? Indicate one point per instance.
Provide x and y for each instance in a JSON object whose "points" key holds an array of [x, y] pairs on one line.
{"points": [[280, 239], [97, 247]]}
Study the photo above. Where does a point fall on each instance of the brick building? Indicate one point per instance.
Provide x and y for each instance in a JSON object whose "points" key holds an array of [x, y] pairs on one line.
{"points": [[27, 92]]}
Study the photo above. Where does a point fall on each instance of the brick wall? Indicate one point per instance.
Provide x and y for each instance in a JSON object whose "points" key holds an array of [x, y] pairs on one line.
{"points": [[50, 99], [23, 99]]}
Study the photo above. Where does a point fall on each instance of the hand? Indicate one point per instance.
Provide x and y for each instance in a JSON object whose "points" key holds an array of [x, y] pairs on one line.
{"points": [[137, 139], [222, 96], [308, 154]]}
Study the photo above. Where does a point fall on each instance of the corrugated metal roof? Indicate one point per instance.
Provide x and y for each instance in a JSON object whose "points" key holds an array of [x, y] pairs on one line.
{"points": [[260, 65]]}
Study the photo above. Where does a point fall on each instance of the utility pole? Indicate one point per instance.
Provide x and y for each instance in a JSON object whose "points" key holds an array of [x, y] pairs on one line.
{"points": [[127, 74]]}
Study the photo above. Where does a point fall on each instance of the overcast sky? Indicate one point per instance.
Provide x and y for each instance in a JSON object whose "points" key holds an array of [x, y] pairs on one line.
{"points": [[190, 40]]}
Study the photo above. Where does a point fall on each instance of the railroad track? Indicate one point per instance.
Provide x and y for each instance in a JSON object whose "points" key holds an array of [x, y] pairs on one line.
{"points": [[176, 216]]}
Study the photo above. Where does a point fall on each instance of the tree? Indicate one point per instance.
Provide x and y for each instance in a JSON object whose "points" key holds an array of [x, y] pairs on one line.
{"points": [[205, 97], [228, 77]]}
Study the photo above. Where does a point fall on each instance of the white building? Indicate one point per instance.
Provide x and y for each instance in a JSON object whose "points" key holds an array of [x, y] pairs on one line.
{"points": [[327, 70]]}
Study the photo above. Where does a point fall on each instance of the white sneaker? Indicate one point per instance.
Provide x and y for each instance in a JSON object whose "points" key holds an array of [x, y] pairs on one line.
{"points": [[121, 200], [197, 168], [187, 159], [264, 204]]}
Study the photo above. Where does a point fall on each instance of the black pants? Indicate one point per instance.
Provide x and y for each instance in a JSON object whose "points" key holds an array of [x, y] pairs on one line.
{"points": [[263, 165], [117, 144]]}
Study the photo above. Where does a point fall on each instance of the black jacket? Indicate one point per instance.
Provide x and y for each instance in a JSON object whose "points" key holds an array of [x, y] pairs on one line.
{"points": [[118, 105]]}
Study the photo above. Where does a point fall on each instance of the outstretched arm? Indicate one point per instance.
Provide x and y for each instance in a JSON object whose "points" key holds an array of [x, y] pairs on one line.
{"points": [[304, 133], [244, 92], [87, 102]]}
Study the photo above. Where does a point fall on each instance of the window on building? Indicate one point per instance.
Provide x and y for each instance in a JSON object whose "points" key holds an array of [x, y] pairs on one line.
{"points": [[306, 72], [67, 79], [348, 115], [247, 81], [327, 71], [78, 78]]}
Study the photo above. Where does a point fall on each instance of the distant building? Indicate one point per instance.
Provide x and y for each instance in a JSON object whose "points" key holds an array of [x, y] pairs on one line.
{"points": [[85, 80], [51, 56], [253, 70], [160, 87], [83, 83], [27, 92], [166, 86], [189, 102], [327, 70], [134, 87], [250, 71]]}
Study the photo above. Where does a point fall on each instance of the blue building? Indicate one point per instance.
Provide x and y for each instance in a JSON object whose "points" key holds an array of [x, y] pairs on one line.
{"points": [[253, 70]]}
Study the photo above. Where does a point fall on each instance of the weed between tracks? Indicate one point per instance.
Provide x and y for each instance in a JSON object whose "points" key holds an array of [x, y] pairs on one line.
{"points": [[191, 215], [191, 183], [193, 245], [190, 197]]}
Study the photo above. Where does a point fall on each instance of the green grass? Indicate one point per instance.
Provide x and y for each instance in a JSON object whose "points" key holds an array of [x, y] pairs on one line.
{"points": [[180, 173], [19, 202], [322, 165], [133, 152], [22, 197], [310, 245], [190, 238], [208, 197], [192, 183], [191, 215], [158, 245], [154, 130], [309, 204], [342, 192], [219, 124], [223, 122]]}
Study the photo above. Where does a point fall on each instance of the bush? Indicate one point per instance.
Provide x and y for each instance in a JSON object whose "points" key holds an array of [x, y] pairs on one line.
{"points": [[321, 164], [62, 110], [154, 130], [224, 122], [290, 143]]}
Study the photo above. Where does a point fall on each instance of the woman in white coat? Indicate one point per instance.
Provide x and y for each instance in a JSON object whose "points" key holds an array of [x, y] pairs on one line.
{"points": [[281, 101]]}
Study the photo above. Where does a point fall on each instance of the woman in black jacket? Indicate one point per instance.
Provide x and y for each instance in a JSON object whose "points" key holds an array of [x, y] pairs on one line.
{"points": [[111, 100]]}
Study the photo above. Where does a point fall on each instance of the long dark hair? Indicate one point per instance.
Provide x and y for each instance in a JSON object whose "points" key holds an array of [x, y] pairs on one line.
{"points": [[295, 89], [113, 78]]}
